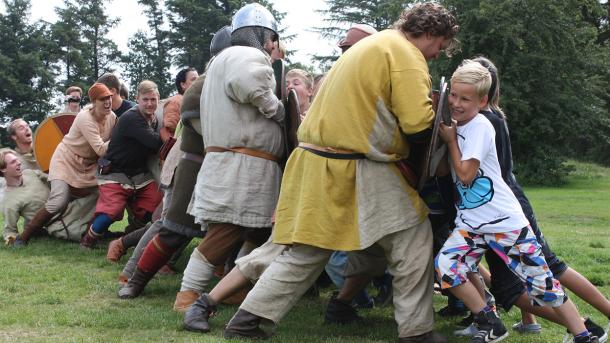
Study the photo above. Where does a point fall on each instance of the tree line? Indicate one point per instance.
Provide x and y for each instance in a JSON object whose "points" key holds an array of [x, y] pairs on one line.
{"points": [[39, 60], [553, 58]]}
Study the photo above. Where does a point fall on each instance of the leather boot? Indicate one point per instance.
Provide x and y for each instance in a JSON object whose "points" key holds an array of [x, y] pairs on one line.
{"points": [[197, 316], [429, 337], [136, 284], [116, 250], [184, 300], [340, 312], [155, 255], [245, 325], [35, 224], [89, 239]]}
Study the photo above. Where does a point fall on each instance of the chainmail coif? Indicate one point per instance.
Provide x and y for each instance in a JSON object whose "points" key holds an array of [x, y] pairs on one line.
{"points": [[252, 36]]}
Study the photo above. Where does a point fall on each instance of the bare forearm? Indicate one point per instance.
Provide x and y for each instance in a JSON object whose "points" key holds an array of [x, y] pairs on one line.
{"points": [[464, 170]]}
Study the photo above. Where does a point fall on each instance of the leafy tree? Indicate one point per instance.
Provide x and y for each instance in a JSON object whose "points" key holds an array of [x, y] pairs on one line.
{"points": [[80, 34], [552, 72], [340, 14], [138, 63], [298, 65], [149, 53], [102, 53], [552, 57], [26, 68], [380, 14], [194, 23], [69, 47], [597, 148]]}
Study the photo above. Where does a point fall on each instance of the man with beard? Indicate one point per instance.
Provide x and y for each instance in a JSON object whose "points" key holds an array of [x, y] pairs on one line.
{"points": [[123, 175]]}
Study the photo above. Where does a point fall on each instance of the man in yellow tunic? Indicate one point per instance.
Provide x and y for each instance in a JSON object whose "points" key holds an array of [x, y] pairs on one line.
{"points": [[341, 189]]}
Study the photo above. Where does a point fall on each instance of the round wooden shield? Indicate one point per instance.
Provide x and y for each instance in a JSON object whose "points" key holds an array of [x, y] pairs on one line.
{"points": [[48, 135]]}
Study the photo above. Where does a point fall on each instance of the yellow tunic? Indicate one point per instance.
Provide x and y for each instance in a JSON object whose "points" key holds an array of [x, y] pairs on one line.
{"points": [[374, 95]]}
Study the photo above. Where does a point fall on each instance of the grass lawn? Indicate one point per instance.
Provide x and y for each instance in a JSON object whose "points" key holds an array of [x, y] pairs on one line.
{"points": [[51, 291]]}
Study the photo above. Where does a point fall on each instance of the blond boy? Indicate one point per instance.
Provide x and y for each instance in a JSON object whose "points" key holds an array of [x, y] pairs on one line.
{"points": [[489, 216]]}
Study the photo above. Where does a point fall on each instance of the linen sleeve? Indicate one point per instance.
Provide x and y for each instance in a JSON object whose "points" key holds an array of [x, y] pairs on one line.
{"points": [[91, 133], [254, 84], [11, 218], [411, 102]]}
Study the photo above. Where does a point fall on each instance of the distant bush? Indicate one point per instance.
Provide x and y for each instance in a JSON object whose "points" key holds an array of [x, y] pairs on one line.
{"points": [[542, 170]]}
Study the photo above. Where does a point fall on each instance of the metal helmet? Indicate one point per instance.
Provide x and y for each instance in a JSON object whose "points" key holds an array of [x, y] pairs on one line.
{"points": [[254, 14], [221, 40]]}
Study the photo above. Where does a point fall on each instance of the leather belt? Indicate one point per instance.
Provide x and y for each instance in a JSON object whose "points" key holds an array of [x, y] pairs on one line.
{"points": [[246, 151], [192, 157], [330, 152]]}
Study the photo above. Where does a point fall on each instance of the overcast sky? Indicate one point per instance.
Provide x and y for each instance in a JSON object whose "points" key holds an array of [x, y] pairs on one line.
{"points": [[300, 18]]}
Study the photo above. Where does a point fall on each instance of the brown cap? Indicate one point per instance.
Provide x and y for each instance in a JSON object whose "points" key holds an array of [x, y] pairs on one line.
{"points": [[98, 91], [356, 33]]}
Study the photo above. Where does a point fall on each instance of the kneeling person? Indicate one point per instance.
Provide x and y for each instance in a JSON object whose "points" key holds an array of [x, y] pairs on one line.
{"points": [[124, 178]]}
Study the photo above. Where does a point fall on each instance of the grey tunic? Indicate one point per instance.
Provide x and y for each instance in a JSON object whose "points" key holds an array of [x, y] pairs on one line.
{"points": [[239, 109]]}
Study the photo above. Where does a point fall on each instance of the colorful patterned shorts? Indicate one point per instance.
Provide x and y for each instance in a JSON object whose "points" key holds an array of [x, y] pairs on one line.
{"points": [[519, 249]]}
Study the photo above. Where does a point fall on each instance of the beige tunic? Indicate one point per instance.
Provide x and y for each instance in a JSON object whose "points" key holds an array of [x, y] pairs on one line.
{"points": [[75, 159], [28, 160], [238, 109], [170, 164], [25, 200]]}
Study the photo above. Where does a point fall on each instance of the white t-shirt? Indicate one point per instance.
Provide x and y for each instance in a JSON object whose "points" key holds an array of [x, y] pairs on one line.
{"points": [[488, 205]]}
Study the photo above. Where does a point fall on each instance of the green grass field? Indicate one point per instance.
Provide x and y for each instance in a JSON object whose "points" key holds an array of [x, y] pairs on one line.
{"points": [[51, 291]]}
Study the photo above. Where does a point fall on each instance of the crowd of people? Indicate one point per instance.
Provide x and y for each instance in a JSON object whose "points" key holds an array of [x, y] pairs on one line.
{"points": [[212, 162]]}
